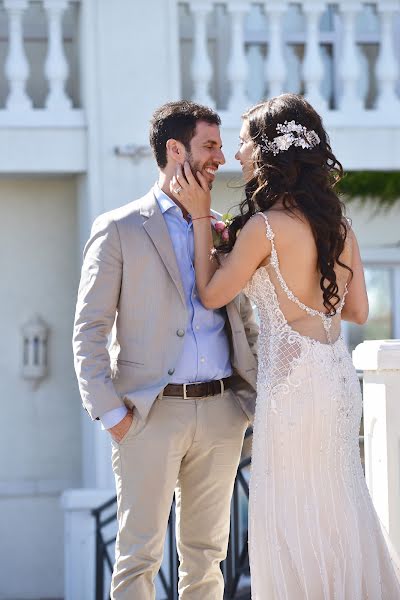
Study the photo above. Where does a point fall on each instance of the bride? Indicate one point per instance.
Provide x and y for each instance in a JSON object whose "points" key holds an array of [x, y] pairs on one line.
{"points": [[313, 531]]}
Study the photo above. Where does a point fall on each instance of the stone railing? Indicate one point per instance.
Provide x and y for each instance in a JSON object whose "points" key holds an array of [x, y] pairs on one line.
{"points": [[40, 71], [380, 363], [344, 56]]}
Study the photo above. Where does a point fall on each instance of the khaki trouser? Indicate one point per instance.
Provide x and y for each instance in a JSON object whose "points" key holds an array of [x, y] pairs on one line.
{"points": [[191, 446]]}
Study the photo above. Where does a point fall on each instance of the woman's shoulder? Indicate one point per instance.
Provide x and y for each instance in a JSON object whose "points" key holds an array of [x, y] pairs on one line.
{"points": [[285, 222]]}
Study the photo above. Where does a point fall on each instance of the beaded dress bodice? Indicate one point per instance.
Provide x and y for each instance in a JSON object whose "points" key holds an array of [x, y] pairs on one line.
{"points": [[311, 516]]}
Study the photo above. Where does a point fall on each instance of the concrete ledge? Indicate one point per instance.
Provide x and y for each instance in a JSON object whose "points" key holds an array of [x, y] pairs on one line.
{"points": [[85, 499], [377, 355]]}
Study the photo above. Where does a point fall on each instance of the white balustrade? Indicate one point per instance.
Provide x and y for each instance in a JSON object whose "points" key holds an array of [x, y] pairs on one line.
{"points": [[350, 63], [16, 66], [333, 68], [387, 66], [380, 361], [313, 69], [201, 65], [56, 67], [237, 68], [275, 67]]}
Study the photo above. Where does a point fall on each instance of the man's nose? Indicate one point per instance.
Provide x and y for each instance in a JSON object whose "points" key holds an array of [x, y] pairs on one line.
{"points": [[221, 158]]}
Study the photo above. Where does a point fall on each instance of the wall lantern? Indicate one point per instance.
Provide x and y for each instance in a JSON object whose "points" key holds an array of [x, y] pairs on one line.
{"points": [[35, 337]]}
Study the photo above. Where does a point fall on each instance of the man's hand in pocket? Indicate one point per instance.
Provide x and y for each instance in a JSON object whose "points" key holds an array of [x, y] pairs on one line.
{"points": [[119, 431]]}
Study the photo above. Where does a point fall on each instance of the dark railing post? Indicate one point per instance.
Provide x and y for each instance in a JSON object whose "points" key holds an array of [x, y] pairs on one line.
{"points": [[173, 563], [99, 561]]}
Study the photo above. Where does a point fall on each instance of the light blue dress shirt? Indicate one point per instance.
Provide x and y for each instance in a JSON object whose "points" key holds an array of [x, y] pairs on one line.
{"points": [[205, 354]]}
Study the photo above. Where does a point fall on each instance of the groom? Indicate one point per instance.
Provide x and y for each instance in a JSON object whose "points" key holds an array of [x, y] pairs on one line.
{"points": [[176, 388]]}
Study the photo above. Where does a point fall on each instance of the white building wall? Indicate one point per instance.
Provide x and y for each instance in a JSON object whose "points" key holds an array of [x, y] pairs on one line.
{"points": [[40, 444]]}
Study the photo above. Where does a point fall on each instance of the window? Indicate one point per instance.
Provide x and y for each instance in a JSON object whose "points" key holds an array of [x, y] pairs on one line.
{"points": [[382, 277]]}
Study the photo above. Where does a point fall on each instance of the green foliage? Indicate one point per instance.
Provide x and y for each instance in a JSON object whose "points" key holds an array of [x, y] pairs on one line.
{"points": [[382, 188]]}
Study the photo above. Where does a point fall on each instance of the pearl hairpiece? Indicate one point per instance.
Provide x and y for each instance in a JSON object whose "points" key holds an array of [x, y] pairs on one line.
{"points": [[293, 134]]}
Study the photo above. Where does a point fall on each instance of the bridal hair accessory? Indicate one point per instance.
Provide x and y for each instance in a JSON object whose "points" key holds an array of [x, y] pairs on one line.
{"points": [[293, 134]]}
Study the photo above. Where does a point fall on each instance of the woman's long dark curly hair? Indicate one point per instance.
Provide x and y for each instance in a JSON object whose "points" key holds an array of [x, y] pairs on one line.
{"points": [[301, 179]]}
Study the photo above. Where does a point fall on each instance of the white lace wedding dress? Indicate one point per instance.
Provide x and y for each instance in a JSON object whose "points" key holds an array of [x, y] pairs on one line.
{"points": [[313, 531]]}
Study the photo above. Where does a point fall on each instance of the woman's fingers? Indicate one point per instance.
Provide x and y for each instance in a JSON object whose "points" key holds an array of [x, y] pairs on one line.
{"points": [[189, 175], [203, 181], [181, 179]]}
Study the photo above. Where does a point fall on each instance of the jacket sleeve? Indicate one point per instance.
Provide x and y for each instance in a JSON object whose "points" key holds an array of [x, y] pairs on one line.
{"points": [[250, 324], [96, 309]]}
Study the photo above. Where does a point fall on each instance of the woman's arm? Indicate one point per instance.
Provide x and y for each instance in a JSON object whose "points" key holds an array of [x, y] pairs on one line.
{"points": [[250, 249], [217, 287], [356, 304]]}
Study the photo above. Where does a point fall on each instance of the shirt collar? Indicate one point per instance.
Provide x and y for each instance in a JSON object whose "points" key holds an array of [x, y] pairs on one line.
{"points": [[165, 202]]}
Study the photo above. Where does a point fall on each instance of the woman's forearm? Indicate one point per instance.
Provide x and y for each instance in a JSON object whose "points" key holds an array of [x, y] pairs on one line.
{"points": [[205, 266]]}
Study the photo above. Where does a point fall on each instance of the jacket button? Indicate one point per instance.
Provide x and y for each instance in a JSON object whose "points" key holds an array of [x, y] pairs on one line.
{"points": [[171, 371], [180, 333]]}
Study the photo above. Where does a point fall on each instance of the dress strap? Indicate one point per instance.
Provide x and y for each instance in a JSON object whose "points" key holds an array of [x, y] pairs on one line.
{"points": [[270, 233], [326, 319]]}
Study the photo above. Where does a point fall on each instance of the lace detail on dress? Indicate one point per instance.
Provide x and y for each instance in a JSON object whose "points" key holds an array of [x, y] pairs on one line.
{"points": [[313, 531], [326, 319]]}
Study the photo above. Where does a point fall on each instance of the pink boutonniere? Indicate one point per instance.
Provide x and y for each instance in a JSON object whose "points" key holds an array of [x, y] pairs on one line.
{"points": [[220, 229]]}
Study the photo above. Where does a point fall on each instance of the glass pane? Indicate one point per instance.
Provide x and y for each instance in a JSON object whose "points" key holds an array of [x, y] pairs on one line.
{"points": [[379, 326]]}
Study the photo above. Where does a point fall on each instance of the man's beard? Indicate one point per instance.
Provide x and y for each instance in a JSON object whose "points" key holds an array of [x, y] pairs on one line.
{"points": [[196, 166]]}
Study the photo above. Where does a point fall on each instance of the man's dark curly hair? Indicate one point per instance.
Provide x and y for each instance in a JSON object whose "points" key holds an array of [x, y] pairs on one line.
{"points": [[177, 120]]}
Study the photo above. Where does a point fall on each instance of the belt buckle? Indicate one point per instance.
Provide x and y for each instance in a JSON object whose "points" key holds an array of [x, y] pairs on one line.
{"points": [[185, 396]]}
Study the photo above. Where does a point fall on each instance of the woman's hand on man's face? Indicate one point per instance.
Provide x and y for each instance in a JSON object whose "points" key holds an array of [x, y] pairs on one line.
{"points": [[194, 195]]}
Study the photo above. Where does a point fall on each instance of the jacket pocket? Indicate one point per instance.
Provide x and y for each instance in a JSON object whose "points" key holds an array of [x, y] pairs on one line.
{"points": [[131, 429], [129, 363]]}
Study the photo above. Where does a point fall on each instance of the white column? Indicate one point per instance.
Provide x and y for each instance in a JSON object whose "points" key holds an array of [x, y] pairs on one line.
{"points": [[387, 66], [16, 66], [313, 69], [380, 361], [350, 63], [201, 70], [56, 68], [237, 68], [275, 67], [80, 541]]}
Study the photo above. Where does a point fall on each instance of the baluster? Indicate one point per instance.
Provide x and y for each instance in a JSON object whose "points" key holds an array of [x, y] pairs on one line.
{"points": [[387, 69], [201, 70], [313, 69], [255, 74], [293, 70], [56, 67], [275, 67], [16, 66], [237, 69], [350, 63]]}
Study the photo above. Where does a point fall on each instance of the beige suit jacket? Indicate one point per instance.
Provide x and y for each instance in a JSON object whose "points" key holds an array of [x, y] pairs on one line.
{"points": [[130, 277]]}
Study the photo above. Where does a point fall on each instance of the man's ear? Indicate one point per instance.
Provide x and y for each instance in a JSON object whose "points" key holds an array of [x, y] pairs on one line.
{"points": [[176, 151]]}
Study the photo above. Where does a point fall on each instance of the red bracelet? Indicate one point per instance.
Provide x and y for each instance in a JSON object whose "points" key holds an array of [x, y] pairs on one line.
{"points": [[206, 217]]}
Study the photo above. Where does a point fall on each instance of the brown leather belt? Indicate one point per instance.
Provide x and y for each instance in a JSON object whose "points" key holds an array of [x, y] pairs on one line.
{"points": [[198, 390]]}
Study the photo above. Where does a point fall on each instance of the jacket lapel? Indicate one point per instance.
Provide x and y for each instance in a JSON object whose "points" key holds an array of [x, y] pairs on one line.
{"points": [[157, 230]]}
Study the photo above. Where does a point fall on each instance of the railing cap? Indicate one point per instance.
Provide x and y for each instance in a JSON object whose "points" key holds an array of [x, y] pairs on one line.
{"points": [[377, 355], [84, 499]]}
